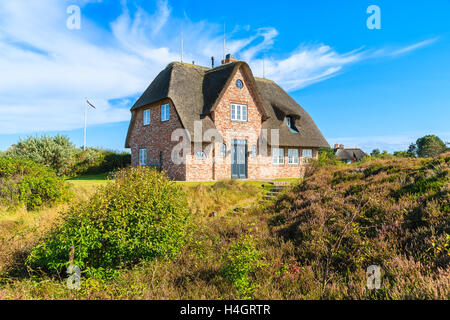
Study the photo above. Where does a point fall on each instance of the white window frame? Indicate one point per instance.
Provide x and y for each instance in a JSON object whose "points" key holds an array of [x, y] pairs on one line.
{"points": [[293, 156], [146, 117], [223, 150], [165, 112], [307, 155], [142, 156], [239, 112], [277, 156]]}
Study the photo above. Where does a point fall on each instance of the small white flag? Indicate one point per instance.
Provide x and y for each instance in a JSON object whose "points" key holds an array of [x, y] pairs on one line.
{"points": [[90, 104]]}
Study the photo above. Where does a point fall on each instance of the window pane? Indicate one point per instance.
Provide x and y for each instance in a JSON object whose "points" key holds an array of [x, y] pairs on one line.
{"points": [[233, 112], [307, 153], [244, 113], [293, 156], [223, 150], [146, 117], [238, 112]]}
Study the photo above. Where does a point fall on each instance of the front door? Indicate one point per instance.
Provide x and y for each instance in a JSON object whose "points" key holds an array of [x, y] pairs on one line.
{"points": [[239, 159]]}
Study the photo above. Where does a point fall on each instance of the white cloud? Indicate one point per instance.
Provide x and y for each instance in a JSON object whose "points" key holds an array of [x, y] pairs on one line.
{"points": [[47, 69]]}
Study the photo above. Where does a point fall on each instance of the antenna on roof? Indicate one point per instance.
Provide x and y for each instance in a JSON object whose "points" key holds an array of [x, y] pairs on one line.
{"points": [[264, 66], [224, 41], [182, 45]]}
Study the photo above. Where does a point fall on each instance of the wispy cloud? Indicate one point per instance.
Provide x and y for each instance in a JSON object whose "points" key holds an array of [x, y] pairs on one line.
{"points": [[47, 70]]}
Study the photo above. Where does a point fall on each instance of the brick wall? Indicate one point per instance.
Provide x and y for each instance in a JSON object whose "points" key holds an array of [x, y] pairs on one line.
{"points": [[156, 138]]}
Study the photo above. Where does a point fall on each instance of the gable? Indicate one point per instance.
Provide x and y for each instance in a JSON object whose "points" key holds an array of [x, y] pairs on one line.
{"points": [[247, 95]]}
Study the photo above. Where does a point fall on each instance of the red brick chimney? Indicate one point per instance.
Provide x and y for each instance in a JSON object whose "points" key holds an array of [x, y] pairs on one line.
{"points": [[336, 146], [229, 58]]}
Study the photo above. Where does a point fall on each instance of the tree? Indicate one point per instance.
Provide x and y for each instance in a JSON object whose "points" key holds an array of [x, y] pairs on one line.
{"points": [[412, 150], [430, 146], [375, 153]]}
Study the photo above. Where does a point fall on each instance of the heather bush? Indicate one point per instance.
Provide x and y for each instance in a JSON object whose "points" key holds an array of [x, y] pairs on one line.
{"points": [[342, 220], [240, 261], [139, 216], [25, 182]]}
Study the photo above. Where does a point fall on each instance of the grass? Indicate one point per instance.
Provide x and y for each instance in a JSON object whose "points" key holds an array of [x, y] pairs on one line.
{"points": [[314, 242]]}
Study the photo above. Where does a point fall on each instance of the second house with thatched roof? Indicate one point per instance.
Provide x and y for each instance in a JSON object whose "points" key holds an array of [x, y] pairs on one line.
{"points": [[200, 124]]}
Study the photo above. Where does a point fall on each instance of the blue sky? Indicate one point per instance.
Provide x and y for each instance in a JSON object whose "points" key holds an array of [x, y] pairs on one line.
{"points": [[367, 88]]}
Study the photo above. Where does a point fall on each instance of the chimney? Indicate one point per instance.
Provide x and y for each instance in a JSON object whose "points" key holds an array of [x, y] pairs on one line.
{"points": [[336, 146], [212, 62], [341, 146], [228, 59]]}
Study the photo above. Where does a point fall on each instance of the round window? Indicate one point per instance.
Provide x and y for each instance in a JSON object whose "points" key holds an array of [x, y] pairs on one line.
{"points": [[239, 84]]}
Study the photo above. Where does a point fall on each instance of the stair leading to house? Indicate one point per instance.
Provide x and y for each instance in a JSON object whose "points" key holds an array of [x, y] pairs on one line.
{"points": [[278, 187]]}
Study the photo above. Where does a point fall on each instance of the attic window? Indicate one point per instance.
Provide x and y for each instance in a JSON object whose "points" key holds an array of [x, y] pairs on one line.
{"points": [[291, 124], [238, 112]]}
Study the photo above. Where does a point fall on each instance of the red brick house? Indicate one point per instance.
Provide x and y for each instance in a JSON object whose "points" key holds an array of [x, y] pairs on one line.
{"points": [[200, 124]]}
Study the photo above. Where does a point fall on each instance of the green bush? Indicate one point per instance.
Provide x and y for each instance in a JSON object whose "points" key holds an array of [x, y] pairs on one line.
{"points": [[95, 161], [240, 261], [23, 181], [61, 155], [139, 216], [327, 157], [56, 152]]}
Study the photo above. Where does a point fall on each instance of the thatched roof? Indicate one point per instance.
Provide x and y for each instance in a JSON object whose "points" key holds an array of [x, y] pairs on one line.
{"points": [[353, 154], [195, 92]]}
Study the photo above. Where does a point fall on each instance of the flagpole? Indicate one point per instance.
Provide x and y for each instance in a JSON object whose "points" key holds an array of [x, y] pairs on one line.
{"points": [[85, 117]]}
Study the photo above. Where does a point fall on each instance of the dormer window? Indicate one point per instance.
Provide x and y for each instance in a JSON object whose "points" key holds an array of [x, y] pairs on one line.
{"points": [[288, 121], [291, 124]]}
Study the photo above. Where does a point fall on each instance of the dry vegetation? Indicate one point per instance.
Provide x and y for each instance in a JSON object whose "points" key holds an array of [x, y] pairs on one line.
{"points": [[314, 242]]}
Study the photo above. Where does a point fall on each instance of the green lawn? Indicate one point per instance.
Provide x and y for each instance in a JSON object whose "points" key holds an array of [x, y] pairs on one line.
{"points": [[94, 180]]}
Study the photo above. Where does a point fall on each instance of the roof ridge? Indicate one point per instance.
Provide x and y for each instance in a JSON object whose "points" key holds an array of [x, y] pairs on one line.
{"points": [[184, 64], [223, 66], [263, 79]]}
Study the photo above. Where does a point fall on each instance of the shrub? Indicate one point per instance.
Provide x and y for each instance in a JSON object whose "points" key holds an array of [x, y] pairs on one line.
{"points": [[24, 181], [327, 157], [240, 261], [54, 152], [139, 216], [95, 161]]}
